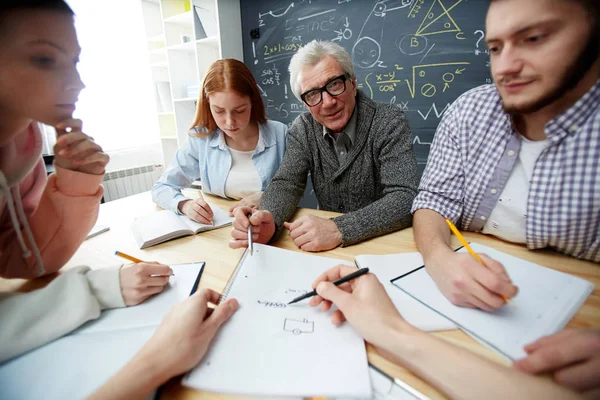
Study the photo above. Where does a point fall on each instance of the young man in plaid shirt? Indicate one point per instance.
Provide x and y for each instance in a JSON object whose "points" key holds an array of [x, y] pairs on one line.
{"points": [[521, 160]]}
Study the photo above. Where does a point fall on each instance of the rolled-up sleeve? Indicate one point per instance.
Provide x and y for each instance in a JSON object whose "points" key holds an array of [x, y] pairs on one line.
{"points": [[183, 170], [442, 184]]}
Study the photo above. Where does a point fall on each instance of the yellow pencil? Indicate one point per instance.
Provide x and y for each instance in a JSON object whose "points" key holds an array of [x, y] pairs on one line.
{"points": [[470, 250], [128, 257], [135, 260]]}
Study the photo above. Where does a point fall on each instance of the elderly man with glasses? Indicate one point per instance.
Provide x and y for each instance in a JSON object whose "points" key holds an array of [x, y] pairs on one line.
{"points": [[359, 155]]}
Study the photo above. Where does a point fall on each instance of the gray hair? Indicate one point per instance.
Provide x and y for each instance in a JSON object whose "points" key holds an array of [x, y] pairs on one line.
{"points": [[311, 54]]}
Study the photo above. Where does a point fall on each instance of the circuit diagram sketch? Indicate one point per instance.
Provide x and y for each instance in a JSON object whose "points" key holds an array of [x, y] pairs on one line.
{"points": [[297, 326]]}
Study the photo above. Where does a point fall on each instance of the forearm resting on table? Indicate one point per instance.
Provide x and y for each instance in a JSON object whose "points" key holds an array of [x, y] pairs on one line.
{"points": [[461, 374], [431, 233], [135, 380]]}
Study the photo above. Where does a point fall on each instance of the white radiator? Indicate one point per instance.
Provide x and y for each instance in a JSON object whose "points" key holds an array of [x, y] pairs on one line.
{"points": [[127, 182]]}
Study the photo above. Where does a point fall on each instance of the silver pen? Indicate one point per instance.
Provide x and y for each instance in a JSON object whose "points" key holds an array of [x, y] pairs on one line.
{"points": [[250, 244]]}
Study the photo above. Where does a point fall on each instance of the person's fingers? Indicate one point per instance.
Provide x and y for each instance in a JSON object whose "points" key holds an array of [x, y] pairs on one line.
{"points": [[232, 209], [240, 222], [205, 206], [238, 244], [310, 246], [72, 123], [551, 340], [493, 284], [315, 301], [480, 296], [156, 281], [241, 235], [333, 274], [147, 269], [294, 225], [338, 318], [340, 298], [495, 267], [302, 240], [95, 158], [258, 217], [142, 294], [199, 214], [550, 358], [326, 305], [581, 377], [296, 233], [222, 313], [207, 296], [69, 142], [79, 148], [477, 302], [200, 300]]}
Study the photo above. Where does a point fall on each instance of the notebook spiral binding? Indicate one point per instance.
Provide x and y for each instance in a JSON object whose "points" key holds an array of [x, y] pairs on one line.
{"points": [[232, 279]]}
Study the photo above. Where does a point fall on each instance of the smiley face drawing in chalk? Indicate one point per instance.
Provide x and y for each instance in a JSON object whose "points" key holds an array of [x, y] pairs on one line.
{"points": [[366, 52]]}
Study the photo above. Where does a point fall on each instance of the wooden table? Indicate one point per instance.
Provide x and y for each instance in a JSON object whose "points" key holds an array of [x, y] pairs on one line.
{"points": [[212, 247]]}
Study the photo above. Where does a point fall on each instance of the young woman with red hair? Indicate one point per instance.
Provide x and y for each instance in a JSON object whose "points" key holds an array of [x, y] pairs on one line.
{"points": [[232, 147]]}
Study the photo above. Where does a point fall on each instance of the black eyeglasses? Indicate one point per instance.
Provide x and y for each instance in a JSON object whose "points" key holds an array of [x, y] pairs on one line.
{"points": [[334, 87]]}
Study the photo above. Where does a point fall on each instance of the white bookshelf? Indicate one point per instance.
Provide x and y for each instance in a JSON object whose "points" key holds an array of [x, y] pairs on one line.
{"points": [[184, 38]]}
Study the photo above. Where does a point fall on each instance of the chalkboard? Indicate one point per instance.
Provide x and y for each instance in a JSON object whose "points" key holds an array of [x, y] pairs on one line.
{"points": [[417, 54]]}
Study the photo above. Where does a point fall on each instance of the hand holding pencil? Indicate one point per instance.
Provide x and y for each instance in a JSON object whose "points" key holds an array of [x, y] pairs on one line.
{"points": [[469, 249], [472, 281], [142, 280]]}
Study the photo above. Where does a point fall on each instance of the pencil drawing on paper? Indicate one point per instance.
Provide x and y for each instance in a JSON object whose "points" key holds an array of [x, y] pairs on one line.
{"points": [[272, 304], [297, 327]]}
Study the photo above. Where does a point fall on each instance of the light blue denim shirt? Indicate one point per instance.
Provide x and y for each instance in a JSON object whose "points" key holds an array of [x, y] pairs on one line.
{"points": [[208, 158]]}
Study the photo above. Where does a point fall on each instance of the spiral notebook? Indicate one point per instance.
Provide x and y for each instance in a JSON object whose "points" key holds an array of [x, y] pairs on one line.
{"points": [[271, 348], [546, 301]]}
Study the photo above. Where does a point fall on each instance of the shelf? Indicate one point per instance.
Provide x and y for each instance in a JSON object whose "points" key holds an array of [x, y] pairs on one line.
{"points": [[160, 38], [186, 99], [211, 41], [189, 46], [186, 18]]}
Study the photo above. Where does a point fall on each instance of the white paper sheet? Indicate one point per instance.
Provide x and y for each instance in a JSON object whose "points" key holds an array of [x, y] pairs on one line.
{"points": [[546, 301], [271, 348], [75, 365], [390, 266]]}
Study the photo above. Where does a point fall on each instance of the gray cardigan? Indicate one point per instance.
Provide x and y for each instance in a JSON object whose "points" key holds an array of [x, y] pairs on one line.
{"points": [[375, 186]]}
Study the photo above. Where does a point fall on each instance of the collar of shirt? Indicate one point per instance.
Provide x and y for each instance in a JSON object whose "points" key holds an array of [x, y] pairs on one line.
{"points": [[349, 129], [265, 139], [570, 120]]}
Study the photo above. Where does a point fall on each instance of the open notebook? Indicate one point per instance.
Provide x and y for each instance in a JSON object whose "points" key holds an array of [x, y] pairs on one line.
{"points": [[77, 364], [546, 301], [165, 225], [271, 348]]}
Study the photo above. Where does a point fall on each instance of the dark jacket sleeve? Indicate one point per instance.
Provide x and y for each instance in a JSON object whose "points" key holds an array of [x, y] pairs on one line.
{"points": [[399, 177]]}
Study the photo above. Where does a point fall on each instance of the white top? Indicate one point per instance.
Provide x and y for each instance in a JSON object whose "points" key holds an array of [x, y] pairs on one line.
{"points": [[243, 179], [508, 219]]}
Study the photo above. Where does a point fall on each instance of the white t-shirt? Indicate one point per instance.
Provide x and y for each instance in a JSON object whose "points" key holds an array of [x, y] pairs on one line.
{"points": [[509, 217], [243, 179]]}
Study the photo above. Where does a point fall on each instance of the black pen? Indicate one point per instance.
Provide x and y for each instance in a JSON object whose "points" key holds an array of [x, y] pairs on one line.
{"points": [[338, 282]]}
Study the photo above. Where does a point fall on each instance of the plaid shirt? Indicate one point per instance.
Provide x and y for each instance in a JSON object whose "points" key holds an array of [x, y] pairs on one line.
{"points": [[474, 150]]}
